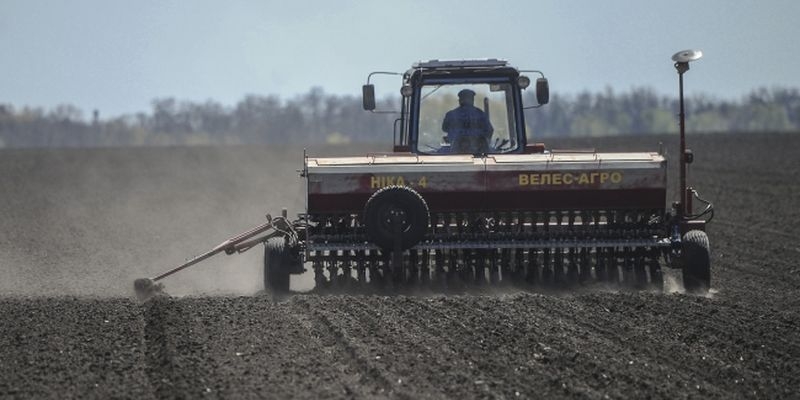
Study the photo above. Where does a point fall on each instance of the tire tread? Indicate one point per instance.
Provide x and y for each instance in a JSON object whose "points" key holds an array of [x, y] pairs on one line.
{"points": [[697, 262]]}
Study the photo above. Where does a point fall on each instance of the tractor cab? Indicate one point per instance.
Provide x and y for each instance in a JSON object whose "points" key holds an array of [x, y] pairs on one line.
{"points": [[462, 107]]}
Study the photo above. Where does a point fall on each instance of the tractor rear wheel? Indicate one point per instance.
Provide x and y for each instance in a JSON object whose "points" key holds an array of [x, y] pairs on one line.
{"points": [[696, 262], [276, 266], [391, 205]]}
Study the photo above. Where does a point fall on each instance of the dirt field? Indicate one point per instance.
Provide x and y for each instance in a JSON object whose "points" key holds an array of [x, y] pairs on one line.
{"points": [[78, 226]]}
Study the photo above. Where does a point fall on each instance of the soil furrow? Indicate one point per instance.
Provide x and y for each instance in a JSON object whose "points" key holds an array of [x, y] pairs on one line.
{"points": [[169, 374], [378, 384]]}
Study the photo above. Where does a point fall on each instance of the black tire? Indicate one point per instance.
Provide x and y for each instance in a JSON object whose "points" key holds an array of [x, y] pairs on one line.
{"points": [[696, 262], [412, 210], [276, 266]]}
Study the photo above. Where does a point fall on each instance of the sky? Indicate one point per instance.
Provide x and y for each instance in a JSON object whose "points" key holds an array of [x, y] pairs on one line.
{"points": [[117, 56]]}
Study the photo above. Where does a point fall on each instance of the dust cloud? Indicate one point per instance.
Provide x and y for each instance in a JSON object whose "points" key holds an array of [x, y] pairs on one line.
{"points": [[91, 221], [672, 281]]}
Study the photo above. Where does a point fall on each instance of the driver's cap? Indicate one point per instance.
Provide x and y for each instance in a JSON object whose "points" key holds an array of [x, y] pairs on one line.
{"points": [[466, 93]]}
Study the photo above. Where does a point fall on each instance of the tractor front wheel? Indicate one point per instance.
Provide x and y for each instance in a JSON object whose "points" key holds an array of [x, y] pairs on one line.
{"points": [[276, 266], [696, 262]]}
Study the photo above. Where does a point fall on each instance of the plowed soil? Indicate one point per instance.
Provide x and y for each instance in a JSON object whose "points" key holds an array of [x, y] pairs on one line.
{"points": [[78, 226]]}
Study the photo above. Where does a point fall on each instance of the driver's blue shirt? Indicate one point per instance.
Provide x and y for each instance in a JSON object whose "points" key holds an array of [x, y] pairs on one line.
{"points": [[467, 120]]}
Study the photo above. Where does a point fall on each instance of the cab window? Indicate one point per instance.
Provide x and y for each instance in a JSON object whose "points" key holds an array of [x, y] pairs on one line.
{"points": [[494, 101]]}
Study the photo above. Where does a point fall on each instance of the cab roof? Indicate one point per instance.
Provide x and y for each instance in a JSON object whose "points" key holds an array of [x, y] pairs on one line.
{"points": [[491, 66]]}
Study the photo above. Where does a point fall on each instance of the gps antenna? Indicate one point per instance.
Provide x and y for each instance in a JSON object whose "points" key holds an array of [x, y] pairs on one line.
{"points": [[682, 60]]}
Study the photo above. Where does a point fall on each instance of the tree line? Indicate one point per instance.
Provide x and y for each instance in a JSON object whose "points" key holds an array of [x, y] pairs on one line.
{"points": [[318, 117]]}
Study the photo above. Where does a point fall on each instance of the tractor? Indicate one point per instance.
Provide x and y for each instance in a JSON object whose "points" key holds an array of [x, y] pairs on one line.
{"points": [[466, 199]]}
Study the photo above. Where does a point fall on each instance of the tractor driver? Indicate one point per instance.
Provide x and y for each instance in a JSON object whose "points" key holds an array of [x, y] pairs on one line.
{"points": [[468, 128]]}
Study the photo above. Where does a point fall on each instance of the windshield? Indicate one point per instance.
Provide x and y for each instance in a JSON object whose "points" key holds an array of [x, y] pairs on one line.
{"points": [[467, 119]]}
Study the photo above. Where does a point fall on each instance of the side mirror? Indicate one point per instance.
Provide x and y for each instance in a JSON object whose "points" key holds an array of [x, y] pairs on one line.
{"points": [[542, 91], [368, 97]]}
